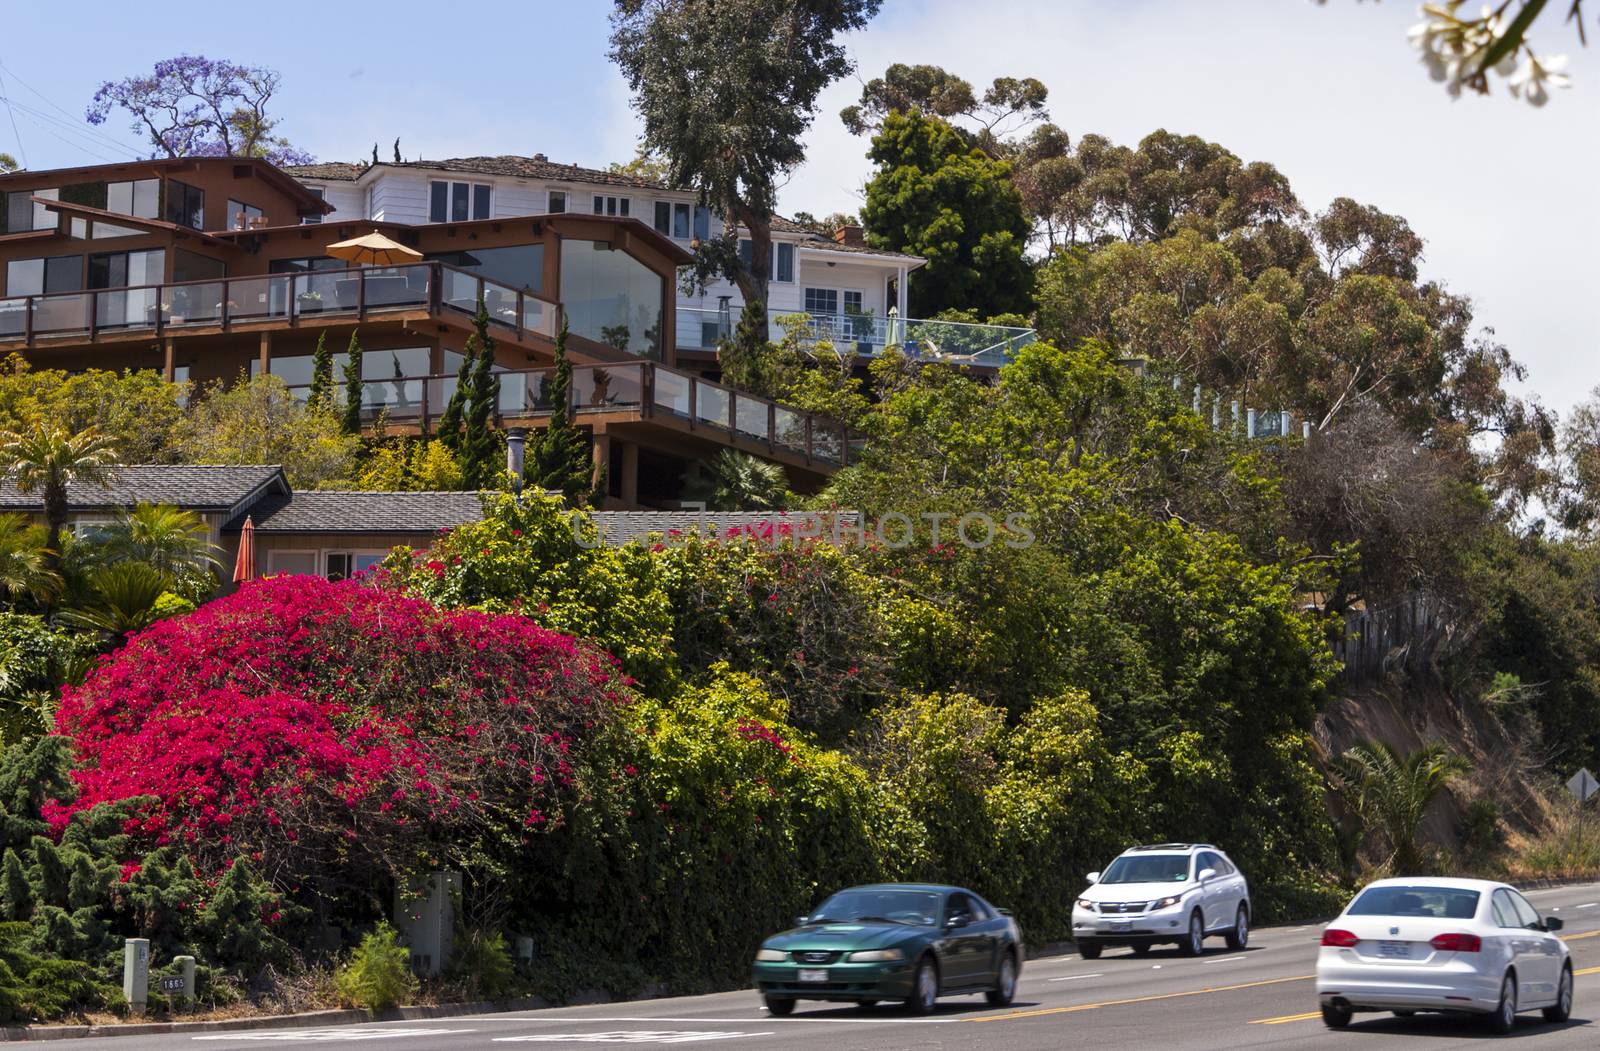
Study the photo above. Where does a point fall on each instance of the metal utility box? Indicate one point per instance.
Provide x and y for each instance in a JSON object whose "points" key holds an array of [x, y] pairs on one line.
{"points": [[424, 914]]}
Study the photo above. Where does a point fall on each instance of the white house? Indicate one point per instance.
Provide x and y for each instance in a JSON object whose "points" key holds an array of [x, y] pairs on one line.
{"points": [[853, 293]]}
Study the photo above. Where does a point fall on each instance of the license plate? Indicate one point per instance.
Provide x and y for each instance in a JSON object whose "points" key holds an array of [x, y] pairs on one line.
{"points": [[1395, 950], [820, 975], [1122, 925]]}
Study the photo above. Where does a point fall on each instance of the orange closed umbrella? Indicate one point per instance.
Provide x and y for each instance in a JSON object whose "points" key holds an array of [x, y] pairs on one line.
{"points": [[244, 567], [373, 250]]}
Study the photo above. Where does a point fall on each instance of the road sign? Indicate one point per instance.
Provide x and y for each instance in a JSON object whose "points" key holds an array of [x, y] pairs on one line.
{"points": [[1583, 785], [171, 984]]}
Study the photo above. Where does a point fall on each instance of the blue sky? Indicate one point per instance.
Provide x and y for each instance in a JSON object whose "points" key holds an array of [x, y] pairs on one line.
{"points": [[1503, 194]]}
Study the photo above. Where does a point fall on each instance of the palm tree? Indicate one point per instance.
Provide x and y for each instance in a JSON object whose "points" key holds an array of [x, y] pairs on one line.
{"points": [[25, 570], [161, 536], [734, 481], [50, 459], [1393, 792], [124, 602]]}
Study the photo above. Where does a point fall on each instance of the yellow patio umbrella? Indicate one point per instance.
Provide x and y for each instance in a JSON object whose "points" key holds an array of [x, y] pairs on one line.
{"points": [[373, 250]]}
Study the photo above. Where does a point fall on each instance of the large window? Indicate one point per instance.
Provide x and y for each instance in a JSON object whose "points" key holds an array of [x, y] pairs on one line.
{"points": [[186, 205], [140, 198], [604, 204], [314, 217], [611, 297], [556, 201], [127, 270], [390, 377], [822, 300], [457, 202], [190, 266], [782, 259], [520, 266], [242, 216], [683, 221], [21, 214], [31, 277]]}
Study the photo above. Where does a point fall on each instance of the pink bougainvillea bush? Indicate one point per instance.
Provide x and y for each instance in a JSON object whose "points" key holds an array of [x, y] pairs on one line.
{"points": [[316, 726]]}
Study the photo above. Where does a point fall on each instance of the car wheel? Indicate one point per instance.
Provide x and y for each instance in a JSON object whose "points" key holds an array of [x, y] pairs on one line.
{"points": [[1005, 984], [866, 1005], [777, 1006], [1141, 949], [1504, 1018], [1561, 1010], [1195, 943], [924, 988], [1088, 948], [1239, 937], [1336, 1016]]}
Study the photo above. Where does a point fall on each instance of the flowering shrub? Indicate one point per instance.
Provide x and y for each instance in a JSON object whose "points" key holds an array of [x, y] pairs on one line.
{"points": [[523, 557], [315, 725]]}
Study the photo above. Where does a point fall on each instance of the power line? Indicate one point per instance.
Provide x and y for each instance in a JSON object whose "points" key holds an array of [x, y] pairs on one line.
{"points": [[17, 134], [77, 121], [54, 134], [82, 140]]}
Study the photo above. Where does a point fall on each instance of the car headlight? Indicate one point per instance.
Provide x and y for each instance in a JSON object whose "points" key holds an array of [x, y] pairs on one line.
{"points": [[1085, 903], [771, 956], [877, 956], [1167, 903]]}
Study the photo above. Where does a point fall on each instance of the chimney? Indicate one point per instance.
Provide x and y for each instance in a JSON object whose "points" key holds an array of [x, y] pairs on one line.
{"points": [[853, 236], [541, 158], [516, 446]]}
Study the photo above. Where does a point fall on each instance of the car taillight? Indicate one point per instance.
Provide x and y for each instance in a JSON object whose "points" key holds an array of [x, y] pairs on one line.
{"points": [[1457, 943], [1338, 939]]}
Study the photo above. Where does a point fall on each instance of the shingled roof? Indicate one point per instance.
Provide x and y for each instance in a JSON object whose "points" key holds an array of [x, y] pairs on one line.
{"points": [[350, 511], [505, 164], [621, 527], [221, 489]]}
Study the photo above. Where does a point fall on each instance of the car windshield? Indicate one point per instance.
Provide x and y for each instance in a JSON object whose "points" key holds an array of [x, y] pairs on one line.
{"points": [[1436, 902], [879, 906], [1148, 868]]}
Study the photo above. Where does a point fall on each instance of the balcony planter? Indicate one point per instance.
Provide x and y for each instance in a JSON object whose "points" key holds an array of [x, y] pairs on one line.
{"points": [[310, 302]]}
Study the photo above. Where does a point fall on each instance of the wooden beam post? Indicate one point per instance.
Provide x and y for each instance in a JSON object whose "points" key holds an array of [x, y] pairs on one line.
{"points": [[266, 353], [169, 365]]}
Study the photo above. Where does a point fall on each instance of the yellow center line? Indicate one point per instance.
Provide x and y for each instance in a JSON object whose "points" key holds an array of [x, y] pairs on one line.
{"points": [[1139, 999], [1586, 970], [1580, 937], [1306, 1017]]}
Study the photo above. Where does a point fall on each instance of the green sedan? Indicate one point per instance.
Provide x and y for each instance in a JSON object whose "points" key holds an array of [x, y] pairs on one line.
{"points": [[911, 942]]}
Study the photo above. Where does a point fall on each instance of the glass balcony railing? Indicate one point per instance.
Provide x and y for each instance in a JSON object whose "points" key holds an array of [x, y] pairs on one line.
{"points": [[867, 335], [286, 298], [645, 388]]}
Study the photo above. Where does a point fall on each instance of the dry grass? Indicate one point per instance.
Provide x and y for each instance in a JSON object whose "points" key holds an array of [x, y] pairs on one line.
{"points": [[1567, 849]]}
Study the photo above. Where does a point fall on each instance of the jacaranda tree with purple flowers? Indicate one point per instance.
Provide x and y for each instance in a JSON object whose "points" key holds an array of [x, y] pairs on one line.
{"points": [[192, 106]]}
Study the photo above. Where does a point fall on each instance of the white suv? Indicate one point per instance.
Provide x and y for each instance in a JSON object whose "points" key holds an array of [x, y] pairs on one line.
{"points": [[1168, 893]]}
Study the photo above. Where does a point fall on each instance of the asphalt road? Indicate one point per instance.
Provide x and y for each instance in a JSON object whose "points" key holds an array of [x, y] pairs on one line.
{"points": [[1262, 997]]}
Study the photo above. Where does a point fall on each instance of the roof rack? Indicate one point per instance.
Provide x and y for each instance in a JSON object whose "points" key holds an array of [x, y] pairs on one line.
{"points": [[1175, 846]]}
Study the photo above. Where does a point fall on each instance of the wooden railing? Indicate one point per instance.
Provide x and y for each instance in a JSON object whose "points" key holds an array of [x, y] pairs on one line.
{"points": [[644, 387], [284, 299]]}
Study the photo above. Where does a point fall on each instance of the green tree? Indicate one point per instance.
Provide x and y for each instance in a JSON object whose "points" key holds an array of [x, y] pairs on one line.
{"points": [[26, 573], [1392, 794], [259, 421], [320, 397], [378, 975], [124, 599], [480, 451], [559, 460], [47, 460], [736, 481], [138, 411], [1006, 107], [166, 538], [351, 423], [455, 408], [933, 195], [726, 90]]}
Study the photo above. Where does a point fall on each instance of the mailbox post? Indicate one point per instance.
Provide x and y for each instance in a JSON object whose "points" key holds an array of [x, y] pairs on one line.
{"points": [[136, 974], [180, 986]]}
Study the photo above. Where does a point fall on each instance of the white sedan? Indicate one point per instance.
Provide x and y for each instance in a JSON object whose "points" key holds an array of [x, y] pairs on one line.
{"points": [[1459, 945]]}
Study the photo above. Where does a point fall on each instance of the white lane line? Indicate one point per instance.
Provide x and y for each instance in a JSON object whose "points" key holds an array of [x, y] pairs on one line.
{"points": [[1587, 905], [332, 1035], [571, 1019], [1226, 959], [1075, 977], [628, 1036]]}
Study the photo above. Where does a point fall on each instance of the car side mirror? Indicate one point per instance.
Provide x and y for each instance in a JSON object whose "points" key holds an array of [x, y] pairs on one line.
{"points": [[957, 921], [800, 921], [1207, 874], [1094, 877], [1554, 923]]}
